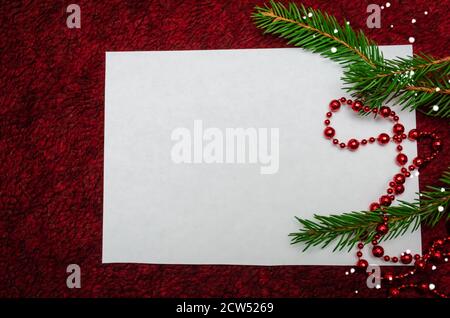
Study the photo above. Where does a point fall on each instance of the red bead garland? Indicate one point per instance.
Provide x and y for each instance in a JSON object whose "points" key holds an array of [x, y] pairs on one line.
{"points": [[396, 187]]}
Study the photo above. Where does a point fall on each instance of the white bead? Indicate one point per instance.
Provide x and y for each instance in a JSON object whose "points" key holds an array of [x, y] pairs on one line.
{"points": [[435, 108], [346, 273], [408, 251], [335, 31], [411, 39], [352, 270], [437, 89], [433, 267], [382, 7], [413, 21], [440, 208], [392, 26], [426, 12], [310, 14], [388, 4], [432, 286], [356, 291], [378, 286], [442, 189], [333, 50]]}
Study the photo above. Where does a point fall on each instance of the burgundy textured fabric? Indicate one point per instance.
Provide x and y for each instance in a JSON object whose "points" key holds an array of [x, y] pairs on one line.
{"points": [[51, 141]]}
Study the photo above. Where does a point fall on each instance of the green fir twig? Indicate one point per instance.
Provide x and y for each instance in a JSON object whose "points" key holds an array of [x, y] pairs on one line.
{"points": [[417, 82], [347, 229]]}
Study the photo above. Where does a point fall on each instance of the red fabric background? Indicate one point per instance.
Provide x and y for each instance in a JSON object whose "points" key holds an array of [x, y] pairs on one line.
{"points": [[51, 141]]}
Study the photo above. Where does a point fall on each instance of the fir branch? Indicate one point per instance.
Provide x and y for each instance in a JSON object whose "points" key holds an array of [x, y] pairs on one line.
{"points": [[417, 82], [319, 32], [347, 229]]}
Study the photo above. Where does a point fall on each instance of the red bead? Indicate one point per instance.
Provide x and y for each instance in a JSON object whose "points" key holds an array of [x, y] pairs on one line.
{"points": [[329, 114], [437, 256], [398, 129], [406, 258], [399, 189], [385, 111], [395, 259], [388, 276], [385, 200], [424, 287], [413, 134], [396, 118], [359, 254], [404, 170], [439, 242], [392, 184], [418, 161], [399, 178], [416, 257], [407, 174], [392, 197], [386, 258], [390, 191], [372, 139], [342, 99], [335, 105], [411, 167], [437, 144], [326, 122], [374, 206], [335, 141], [349, 102], [342, 145], [360, 245], [383, 138], [353, 144], [362, 263], [402, 159], [382, 228], [420, 264], [329, 132], [357, 105], [366, 109], [364, 141], [394, 292], [399, 148]]}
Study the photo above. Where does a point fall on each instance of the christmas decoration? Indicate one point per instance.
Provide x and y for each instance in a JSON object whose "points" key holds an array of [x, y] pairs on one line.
{"points": [[419, 82], [349, 228]]}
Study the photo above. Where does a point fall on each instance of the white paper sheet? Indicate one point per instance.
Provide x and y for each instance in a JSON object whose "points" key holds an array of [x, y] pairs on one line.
{"points": [[158, 211]]}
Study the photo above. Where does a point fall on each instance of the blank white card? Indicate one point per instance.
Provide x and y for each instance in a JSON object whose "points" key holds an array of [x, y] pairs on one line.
{"points": [[209, 156]]}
